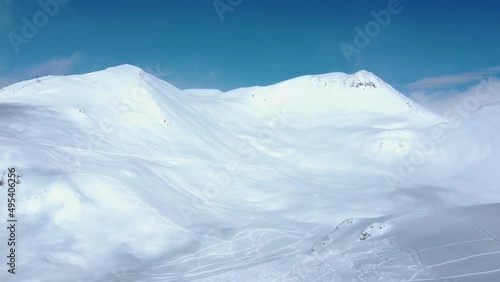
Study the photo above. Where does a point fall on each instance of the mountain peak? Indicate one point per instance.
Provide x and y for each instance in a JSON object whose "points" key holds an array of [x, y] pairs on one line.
{"points": [[363, 78], [125, 68]]}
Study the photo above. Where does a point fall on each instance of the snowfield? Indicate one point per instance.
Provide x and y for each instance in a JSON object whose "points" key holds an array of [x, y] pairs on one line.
{"points": [[124, 177], [445, 245]]}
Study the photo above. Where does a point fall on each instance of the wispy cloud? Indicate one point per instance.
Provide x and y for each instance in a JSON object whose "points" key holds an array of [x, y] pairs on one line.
{"points": [[450, 81], [441, 100], [58, 66], [55, 66]]}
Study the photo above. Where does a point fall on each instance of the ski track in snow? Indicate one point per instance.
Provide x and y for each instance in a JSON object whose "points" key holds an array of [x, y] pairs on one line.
{"points": [[264, 221]]}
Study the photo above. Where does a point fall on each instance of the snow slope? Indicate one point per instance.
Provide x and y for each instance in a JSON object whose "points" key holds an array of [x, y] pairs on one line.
{"points": [[126, 177], [444, 245]]}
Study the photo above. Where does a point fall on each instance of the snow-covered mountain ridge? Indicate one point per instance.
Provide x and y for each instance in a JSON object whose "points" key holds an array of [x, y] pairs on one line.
{"points": [[128, 178], [333, 92]]}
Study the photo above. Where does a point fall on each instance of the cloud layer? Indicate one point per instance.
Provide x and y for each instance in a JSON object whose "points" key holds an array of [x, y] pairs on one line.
{"points": [[441, 101], [56, 66], [448, 81]]}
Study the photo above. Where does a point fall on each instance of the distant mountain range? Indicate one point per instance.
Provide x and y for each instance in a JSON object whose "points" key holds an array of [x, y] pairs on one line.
{"points": [[124, 177]]}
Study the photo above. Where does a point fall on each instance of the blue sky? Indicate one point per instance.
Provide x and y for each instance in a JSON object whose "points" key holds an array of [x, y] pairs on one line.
{"points": [[425, 45]]}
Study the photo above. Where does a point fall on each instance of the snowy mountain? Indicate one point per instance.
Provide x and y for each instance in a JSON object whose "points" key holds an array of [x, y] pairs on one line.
{"points": [[124, 177], [341, 99], [445, 245]]}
